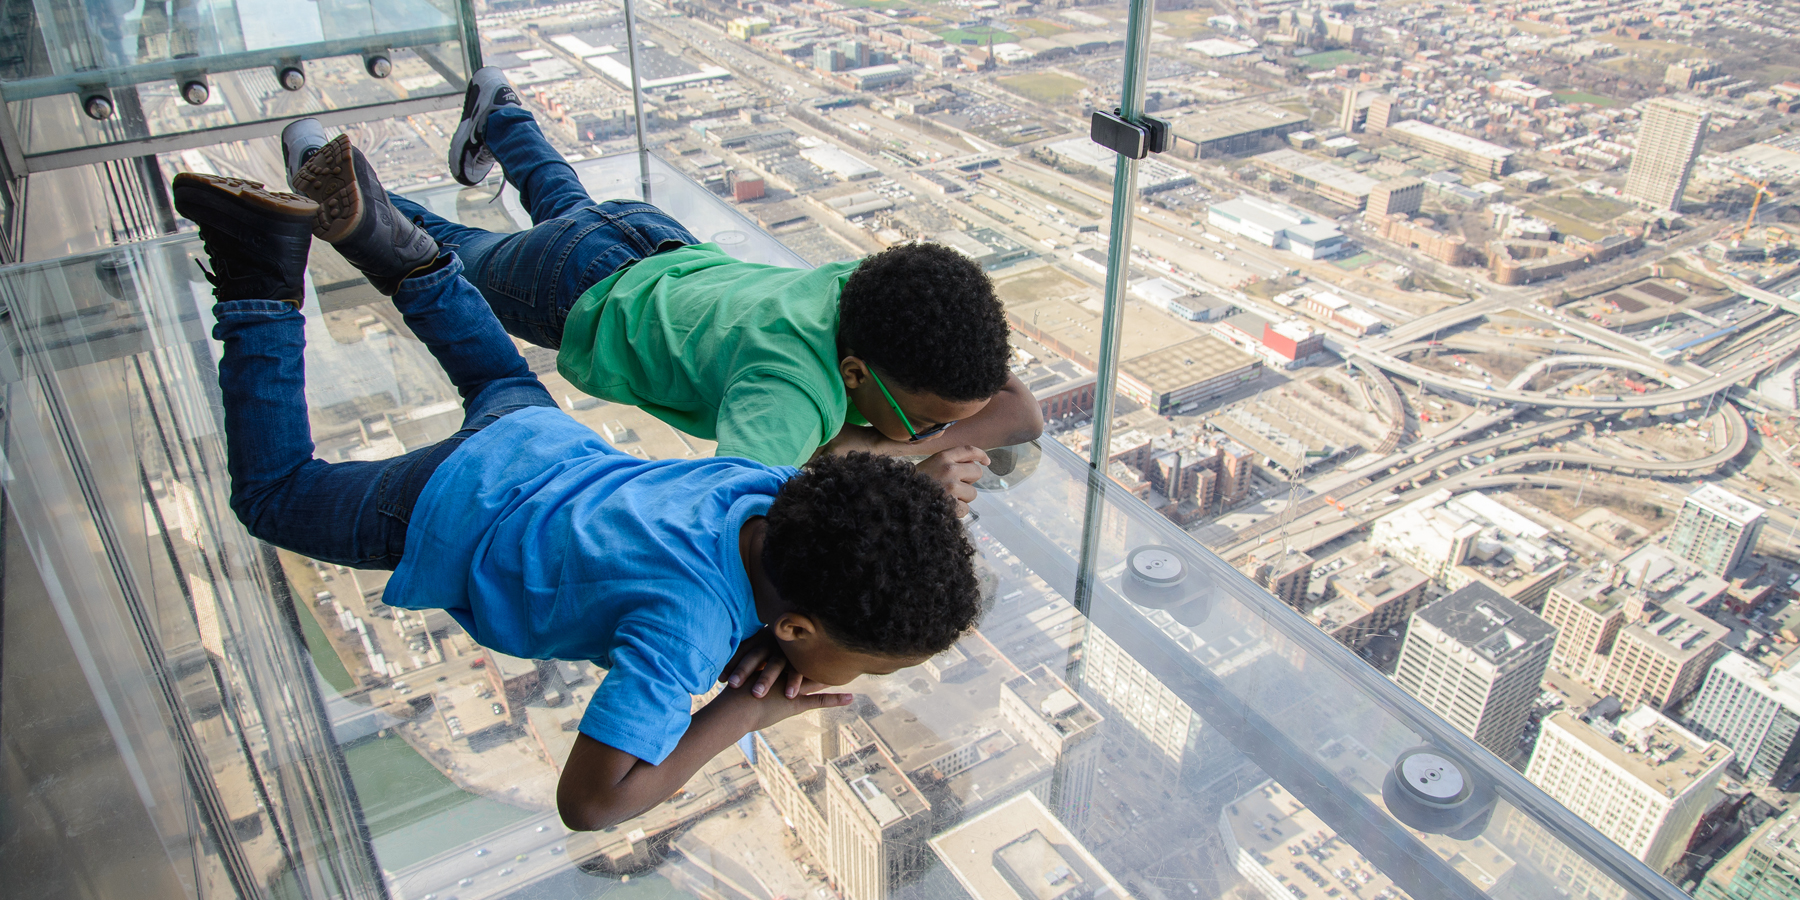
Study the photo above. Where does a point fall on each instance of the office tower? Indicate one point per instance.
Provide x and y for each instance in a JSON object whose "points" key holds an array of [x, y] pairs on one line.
{"points": [[1763, 866], [1395, 197], [1286, 575], [1586, 611], [1137, 699], [1668, 141], [1019, 850], [1382, 113], [1062, 728], [1643, 782], [1754, 712], [1347, 113], [1715, 529], [1661, 654], [1477, 658], [877, 823], [1368, 598]]}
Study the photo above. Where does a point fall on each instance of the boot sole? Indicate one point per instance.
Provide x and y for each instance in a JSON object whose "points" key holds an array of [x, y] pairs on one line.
{"points": [[329, 178], [200, 192]]}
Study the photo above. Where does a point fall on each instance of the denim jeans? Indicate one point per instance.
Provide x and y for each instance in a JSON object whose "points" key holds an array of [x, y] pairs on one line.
{"points": [[351, 513], [531, 278]]}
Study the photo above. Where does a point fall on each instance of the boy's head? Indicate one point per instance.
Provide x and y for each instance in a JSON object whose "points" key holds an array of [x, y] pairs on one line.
{"points": [[872, 565], [922, 321]]}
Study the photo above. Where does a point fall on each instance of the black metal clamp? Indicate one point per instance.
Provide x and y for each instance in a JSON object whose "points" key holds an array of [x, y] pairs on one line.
{"points": [[1134, 140]]}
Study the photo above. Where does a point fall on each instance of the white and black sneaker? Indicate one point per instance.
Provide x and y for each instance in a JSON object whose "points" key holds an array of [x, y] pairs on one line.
{"points": [[470, 160], [299, 141]]}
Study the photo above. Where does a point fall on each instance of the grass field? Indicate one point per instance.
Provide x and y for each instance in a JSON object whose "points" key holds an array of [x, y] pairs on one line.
{"points": [[977, 36], [1585, 97], [323, 654], [1331, 59], [1041, 27], [1185, 25], [1587, 207], [1352, 263], [1568, 224], [1044, 87]]}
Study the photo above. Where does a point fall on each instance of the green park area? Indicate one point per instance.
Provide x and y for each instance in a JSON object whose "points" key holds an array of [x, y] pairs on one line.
{"points": [[1331, 59], [1587, 207], [1040, 27], [1044, 87], [1568, 224], [977, 35], [323, 654], [1585, 97]]}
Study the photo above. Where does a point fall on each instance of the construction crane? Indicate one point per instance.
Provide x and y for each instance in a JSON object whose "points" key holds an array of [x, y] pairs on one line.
{"points": [[1762, 190]]}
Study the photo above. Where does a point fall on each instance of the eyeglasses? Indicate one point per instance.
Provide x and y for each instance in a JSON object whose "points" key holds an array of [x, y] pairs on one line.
{"points": [[917, 436]]}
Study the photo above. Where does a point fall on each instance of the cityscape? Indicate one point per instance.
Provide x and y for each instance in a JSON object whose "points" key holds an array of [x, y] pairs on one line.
{"points": [[1469, 333]]}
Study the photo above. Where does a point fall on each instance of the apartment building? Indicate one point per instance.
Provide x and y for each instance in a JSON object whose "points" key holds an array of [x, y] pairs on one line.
{"points": [[1477, 659], [1668, 142], [1715, 529], [1752, 710]]}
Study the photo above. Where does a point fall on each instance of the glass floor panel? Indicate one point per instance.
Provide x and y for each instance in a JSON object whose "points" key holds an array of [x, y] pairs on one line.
{"points": [[1119, 730]]}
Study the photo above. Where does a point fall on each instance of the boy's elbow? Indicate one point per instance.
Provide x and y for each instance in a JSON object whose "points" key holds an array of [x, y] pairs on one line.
{"points": [[585, 816]]}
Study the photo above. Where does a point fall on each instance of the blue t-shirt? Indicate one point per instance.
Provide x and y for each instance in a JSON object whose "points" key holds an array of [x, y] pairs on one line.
{"points": [[547, 543]]}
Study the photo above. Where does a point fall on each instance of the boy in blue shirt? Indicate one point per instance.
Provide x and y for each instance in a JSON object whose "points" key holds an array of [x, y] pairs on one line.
{"points": [[545, 542]]}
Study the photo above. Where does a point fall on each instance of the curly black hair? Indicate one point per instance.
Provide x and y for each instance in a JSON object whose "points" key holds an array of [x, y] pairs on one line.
{"points": [[873, 550], [927, 317]]}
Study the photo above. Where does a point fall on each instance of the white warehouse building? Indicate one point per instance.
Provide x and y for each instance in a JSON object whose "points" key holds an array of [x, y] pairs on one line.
{"points": [[1277, 225]]}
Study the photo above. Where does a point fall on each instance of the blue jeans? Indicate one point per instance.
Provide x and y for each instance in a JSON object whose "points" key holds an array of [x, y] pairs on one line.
{"points": [[351, 513], [531, 278]]}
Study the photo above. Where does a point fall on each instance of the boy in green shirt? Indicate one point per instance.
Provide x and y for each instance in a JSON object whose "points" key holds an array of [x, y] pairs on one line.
{"points": [[775, 364]]}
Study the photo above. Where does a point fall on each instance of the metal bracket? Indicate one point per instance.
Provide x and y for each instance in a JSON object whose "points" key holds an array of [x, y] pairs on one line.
{"points": [[1134, 140]]}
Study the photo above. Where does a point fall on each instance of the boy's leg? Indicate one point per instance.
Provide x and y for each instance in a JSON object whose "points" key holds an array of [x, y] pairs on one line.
{"points": [[454, 322], [495, 126]]}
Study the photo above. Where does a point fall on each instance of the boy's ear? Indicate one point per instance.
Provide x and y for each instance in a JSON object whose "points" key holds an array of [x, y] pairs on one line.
{"points": [[854, 371], [792, 626]]}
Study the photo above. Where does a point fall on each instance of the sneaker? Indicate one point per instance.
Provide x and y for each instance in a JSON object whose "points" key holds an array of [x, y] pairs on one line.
{"points": [[356, 217], [470, 160], [299, 141], [257, 238]]}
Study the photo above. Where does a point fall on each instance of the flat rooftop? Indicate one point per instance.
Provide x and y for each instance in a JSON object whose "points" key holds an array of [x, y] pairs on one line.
{"points": [[1187, 363], [1020, 841], [1725, 504], [884, 790], [1646, 744], [1234, 121], [1448, 138], [1480, 618], [1314, 169]]}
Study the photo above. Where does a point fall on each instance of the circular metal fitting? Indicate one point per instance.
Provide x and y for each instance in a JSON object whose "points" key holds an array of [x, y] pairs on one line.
{"points": [[195, 92], [1432, 778], [378, 66], [292, 78], [98, 107], [1156, 566]]}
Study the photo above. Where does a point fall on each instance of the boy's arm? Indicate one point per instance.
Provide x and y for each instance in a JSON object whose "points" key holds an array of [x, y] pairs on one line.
{"points": [[1010, 417], [602, 786]]}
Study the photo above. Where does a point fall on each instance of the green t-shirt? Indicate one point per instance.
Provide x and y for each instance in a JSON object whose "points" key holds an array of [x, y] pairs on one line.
{"points": [[741, 353]]}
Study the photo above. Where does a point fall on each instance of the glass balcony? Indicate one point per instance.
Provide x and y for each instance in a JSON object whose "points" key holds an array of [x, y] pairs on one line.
{"points": [[85, 81], [257, 722]]}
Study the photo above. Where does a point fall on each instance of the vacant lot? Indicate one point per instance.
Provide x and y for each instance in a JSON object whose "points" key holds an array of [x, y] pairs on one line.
{"points": [[1044, 87], [1041, 27], [1588, 207], [1568, 224]]}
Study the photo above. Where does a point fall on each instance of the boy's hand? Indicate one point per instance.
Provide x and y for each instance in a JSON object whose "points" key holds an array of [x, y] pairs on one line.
{"points": [[750, 713], [759, 663], [957, 469]]}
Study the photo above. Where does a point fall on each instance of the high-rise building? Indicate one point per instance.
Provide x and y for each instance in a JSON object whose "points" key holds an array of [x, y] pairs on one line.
{"points": [[1019, 850], [1063, 728], [1138, 700], [1763, 866], [877, 821], [1754, 712], [1668, 142], [1643, 782], [1395, 197], [1286, 575], [1382, 113], [1661, 654], [1348, 112], [1683, 74], [1715, 529], [1477, 659], [1367, 598]]}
